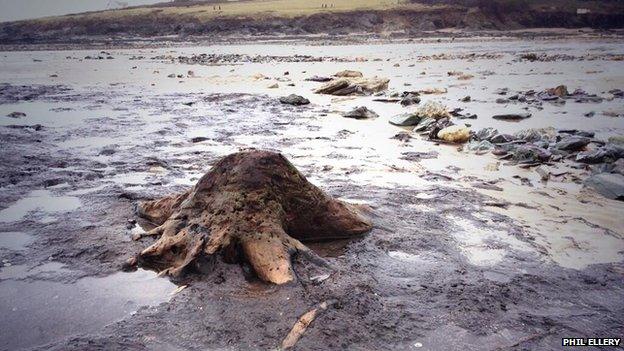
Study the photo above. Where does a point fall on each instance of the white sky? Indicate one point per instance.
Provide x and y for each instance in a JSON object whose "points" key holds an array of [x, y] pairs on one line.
{"points": [[12, 10]]}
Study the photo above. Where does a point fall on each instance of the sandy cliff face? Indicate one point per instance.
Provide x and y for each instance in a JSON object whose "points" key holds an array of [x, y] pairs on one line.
{"points": [[407, 22]]}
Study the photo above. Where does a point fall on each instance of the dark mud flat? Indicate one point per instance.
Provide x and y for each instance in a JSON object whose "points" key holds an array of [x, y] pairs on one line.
{"points": [[445, 267]]}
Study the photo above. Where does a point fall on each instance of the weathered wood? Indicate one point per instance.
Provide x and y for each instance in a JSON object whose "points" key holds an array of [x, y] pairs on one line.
{"points": [[251, 204]]}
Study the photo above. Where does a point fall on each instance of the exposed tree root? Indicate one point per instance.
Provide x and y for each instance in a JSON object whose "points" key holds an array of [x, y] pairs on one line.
{"points": [[302, 325], [251, 205]]}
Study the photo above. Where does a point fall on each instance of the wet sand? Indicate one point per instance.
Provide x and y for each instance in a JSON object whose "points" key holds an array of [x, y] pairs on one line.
{"points": [[445, 266]]}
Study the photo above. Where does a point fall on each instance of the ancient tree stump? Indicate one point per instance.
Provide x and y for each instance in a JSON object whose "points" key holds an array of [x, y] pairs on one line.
{"points": [[253, 206]]}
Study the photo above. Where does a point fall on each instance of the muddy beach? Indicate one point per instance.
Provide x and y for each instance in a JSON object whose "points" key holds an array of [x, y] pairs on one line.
{"points": [[483, 244]]}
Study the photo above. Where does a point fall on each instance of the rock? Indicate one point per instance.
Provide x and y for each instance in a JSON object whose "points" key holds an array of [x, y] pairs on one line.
{"points": [[533, 135], [501, 91], [432, 91], [424, 124], [612, 114], [410, 99], [437, 126], [487, 186], [609, 153], [545, 96], [467, 116], [617, 92], [578, 132], [486, 133], [294, 99], [572, 143], [455, 134], [501, 138], [108, 151], [456, 112], [582, 96], [172, 75], [389, 100], [353, 86], [259, 76], [318, 79], [559, 91], [273, 86], [543, 173], [16, 115], [465, 77], [198, 139], [405, 120], [349, 74], [318, 279], [483, 145], [609, 185], [618, 166], [529, 57], [433, 110], [466, 98], [512, 116], [360, 112], [591, 157], [617, 139], [530, 154]]}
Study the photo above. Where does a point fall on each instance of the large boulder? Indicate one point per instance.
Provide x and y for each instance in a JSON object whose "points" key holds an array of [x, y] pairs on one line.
{"points": [[353, 86], [294, 99], [572, 143], [405, 120], [609, 185], [609, 153], [455, 134]]}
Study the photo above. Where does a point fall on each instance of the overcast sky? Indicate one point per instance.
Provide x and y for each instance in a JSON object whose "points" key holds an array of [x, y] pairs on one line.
{"points": [[12, 10]]}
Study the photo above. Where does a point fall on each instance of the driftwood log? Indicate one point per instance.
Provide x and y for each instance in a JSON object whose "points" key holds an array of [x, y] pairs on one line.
{"points": [[252, 205]]}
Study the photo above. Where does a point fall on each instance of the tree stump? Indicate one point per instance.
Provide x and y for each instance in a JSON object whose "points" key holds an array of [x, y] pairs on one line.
{"points": [[252, 205]]}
